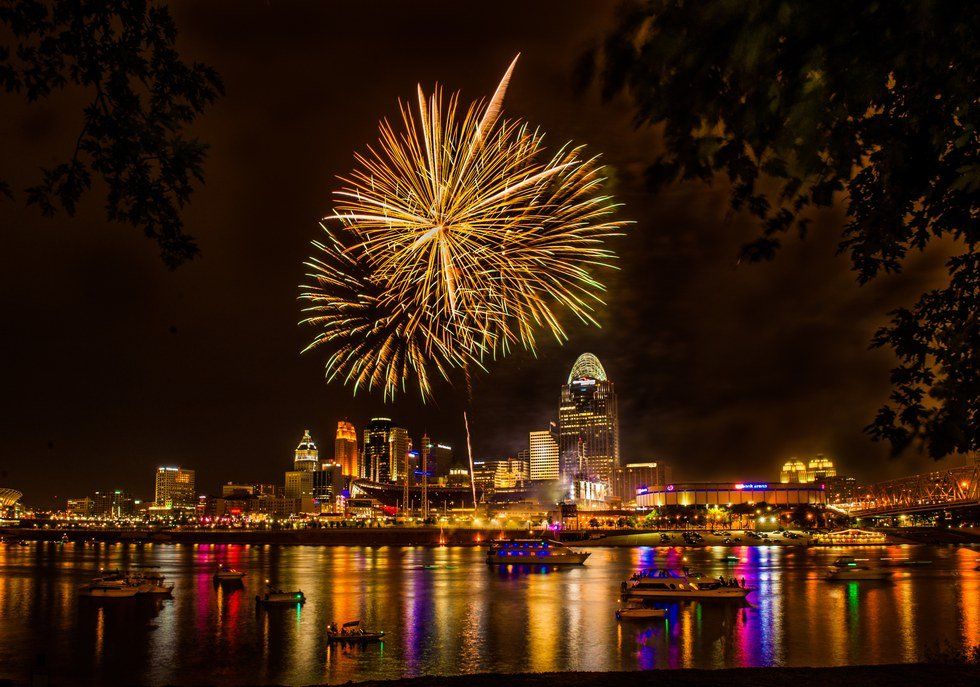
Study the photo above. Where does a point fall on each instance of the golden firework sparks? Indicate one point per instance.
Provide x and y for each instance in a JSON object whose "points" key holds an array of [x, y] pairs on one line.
{"points": [[462, 238]]}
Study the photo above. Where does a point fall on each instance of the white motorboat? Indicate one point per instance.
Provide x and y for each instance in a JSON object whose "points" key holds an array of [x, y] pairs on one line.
{"points": [[109, 591], [274, 595], [352, 633], [224, 574], [679, 585], [848, 568], [533, 552], [637, 611]]}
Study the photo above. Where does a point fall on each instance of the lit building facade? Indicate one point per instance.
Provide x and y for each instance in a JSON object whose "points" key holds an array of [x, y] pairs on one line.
{"points": [[376, 451], [329, 484], [299, 489], [345, 449], [543, 456], [174, 488], [796, 471], [628, 480], [510, 473], [588, 424], [306, 457], [731, 493], [112, 504], [399, 450]]}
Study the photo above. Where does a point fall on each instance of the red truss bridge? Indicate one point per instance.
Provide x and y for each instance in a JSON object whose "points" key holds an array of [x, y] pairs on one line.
{"points": [[928, 491]]}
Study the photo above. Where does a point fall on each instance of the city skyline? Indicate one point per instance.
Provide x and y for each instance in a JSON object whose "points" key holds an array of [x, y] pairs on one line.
{"points": [[727, 365]]}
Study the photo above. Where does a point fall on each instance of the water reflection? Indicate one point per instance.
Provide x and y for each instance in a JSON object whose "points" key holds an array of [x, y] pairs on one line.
{"points": [[445, 611]]}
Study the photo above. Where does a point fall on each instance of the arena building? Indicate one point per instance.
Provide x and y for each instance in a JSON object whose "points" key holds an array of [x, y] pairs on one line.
{"points": [[730, 493]]}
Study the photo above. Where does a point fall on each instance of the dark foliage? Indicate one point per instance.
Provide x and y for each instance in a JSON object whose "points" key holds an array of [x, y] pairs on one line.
{"points": [[132, 130], [798, 103]]}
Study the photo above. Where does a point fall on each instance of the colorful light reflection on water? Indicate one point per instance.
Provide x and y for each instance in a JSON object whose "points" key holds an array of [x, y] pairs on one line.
{"points": [[445, 611]]}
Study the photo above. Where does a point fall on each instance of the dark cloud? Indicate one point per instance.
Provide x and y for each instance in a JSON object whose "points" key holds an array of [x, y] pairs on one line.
{"points": [[115, 365]]}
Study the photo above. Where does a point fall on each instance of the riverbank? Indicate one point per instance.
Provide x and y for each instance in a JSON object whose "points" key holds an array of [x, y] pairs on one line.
{"points": [[404, 536], [900, 675]]}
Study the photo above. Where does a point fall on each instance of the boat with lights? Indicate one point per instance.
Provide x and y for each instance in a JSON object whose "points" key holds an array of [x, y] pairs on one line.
{"points": [[533, 552], [274, 596], [661, 583], [848, 568], [352, 633], [637, 610]]}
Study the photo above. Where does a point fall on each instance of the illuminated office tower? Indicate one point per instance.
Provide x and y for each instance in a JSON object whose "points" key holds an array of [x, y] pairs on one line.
{"points": [[399, 447], [588, 424], [543, 450], [306, 456], [376, 450], [174, 488], [345, 449]]}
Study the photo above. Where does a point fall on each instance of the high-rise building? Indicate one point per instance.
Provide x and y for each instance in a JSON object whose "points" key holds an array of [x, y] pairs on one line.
{"points": [[175, 488], [299, 488], [114, 503], [841, 489], [328, 488], [400, 447], [375, 456], [634, 478], [385, 452], [543, 452], [588, 424], [345, 449], [306, 456]]}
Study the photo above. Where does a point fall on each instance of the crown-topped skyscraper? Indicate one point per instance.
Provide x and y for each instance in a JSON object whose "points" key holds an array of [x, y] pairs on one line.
{"points": [[306, 457], [588, 424]]}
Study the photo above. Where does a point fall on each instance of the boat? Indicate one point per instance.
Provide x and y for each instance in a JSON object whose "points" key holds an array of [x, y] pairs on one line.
{"points": [[634, 610], [274, 595], [224, 574], [848, 568], [533, 552], [352, 633], [680, 585], [152, 585], [109, 591]]}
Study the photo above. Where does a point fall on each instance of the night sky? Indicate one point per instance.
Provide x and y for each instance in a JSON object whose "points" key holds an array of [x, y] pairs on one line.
{"points": [[114, 365]]}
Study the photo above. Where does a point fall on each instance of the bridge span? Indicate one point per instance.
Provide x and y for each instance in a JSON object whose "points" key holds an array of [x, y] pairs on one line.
{"points": [[927, 491]]}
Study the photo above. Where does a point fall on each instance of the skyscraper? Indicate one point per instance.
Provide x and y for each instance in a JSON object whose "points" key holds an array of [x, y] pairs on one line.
{"points": [[376, 455], [385, 451], [345, 449], [174, 488], [400, 445], [543, 455], [306, 457], [588, 424]]}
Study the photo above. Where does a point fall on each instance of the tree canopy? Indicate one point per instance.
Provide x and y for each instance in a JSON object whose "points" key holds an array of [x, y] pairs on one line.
{"points": [[800, 104], [141, 94]]}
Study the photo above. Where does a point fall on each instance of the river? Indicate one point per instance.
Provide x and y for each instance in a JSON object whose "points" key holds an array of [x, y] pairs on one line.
{"points": [[445, 611]]}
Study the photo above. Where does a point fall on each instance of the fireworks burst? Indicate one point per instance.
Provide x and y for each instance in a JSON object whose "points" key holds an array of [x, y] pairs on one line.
{"points": [[461, 238]]}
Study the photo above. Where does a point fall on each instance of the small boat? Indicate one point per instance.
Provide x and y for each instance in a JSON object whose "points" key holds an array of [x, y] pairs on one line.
{"points": [[680, 585], [223, 574], [352, 633], [847, 568], [109, 591], [731, 559], [533, 552], [274, 595], [637, 611], [152, 585]]}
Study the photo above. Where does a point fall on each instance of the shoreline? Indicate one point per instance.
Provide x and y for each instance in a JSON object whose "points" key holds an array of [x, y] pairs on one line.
{"points": [[405, 536]]}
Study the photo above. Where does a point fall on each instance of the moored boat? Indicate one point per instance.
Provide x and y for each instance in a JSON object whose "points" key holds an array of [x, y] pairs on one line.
{"points": [[223, 574], [274, 595], [533, 552], [352, 633], [679, 585], [634, 610], [848, 568], [109, 591]]}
